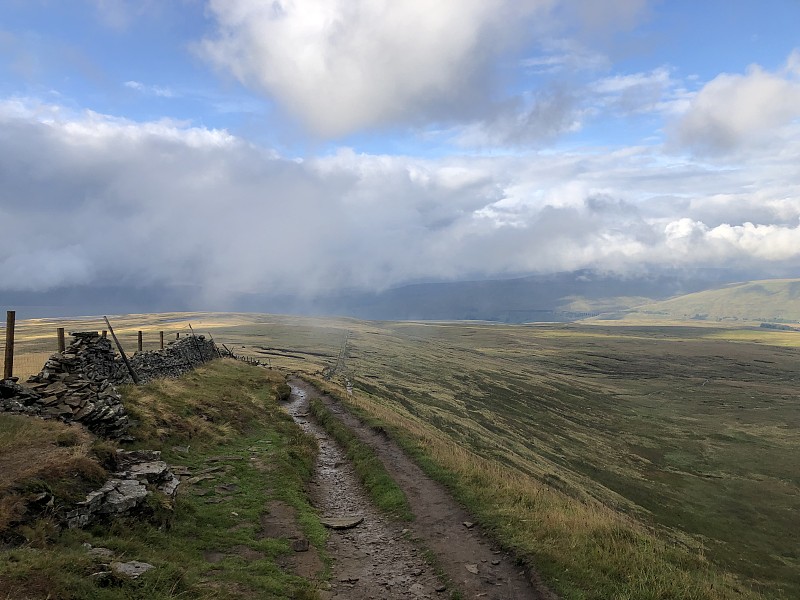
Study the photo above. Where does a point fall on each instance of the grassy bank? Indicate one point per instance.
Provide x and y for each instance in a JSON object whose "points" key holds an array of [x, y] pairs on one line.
{"points": [[244, 455]]}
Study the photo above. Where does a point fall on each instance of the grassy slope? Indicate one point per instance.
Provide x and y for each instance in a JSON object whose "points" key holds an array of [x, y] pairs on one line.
{"points": [[770, 300], [222, 411], [42, 457]]}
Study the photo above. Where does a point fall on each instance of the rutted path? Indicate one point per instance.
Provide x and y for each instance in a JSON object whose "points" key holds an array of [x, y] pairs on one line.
{"points": [[376, 551], [374, 559]]}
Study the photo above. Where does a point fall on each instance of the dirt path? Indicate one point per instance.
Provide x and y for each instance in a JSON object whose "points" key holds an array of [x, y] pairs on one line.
{"points": [[374, 559], [470, 560]]}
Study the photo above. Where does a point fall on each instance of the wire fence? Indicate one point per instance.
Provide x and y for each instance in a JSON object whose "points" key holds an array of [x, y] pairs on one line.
{"points": [[35, 340]]}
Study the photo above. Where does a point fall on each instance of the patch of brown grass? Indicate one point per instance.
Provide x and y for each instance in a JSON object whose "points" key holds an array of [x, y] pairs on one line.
{"points": [[29, 444], [43, 456]]}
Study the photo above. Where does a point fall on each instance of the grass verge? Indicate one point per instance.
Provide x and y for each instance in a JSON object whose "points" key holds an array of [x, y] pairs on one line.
{"points": [[222, 424]]}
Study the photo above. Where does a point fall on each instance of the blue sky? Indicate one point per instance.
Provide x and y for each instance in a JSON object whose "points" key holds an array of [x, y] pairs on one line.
{"points": [[398, 140]]}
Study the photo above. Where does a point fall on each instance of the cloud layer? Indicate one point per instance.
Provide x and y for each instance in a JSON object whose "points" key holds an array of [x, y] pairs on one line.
{"points": [[101, 200]]}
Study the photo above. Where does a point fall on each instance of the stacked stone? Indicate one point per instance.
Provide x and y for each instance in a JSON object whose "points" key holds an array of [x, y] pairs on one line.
{"points": [[76, 385], [141, 472], [96, 358], [177, 358], [16, 398]]}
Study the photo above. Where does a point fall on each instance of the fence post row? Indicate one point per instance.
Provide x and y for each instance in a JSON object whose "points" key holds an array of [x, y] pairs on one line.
{"points": [[8, 366]]}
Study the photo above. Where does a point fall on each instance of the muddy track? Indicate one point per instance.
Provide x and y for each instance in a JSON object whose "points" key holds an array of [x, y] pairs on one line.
{"points": [[474, 565]]}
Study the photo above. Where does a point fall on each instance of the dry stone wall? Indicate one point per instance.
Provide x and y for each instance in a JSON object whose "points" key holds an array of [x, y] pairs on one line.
{"points": [[174, 360], [79, 384], [75, 385]]}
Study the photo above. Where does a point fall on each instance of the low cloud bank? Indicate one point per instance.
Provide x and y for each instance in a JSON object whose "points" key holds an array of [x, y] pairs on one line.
{"points": [[91, 199]]}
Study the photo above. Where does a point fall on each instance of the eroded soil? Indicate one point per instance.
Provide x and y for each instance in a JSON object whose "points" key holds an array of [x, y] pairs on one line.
{"points": [[377, 559]]}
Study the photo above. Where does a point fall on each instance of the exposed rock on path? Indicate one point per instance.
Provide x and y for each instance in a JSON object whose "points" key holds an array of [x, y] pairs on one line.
{"points": [[373, 558], [468, 558]]}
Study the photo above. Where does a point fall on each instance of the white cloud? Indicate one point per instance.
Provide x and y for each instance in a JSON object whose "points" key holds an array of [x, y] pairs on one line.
{"points": [[655, 91], [343, 65], [618, 84], [565, 54], [100, 199], [528, 120], [151, 90], [690, 241], [733, 111]]}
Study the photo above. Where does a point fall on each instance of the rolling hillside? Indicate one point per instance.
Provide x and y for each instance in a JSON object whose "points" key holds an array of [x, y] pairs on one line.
{"points": [[773, 300]]}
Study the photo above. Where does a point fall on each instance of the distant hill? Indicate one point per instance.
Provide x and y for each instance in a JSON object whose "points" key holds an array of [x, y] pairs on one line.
{"points": [[771, 301], [553, 297]]}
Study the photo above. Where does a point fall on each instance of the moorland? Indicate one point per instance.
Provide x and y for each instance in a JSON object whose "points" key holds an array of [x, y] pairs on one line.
{"points": [[624, 459]]}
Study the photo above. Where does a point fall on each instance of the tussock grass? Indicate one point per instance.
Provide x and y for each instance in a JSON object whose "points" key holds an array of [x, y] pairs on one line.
{"points": [[42, 456], [210, 405]]}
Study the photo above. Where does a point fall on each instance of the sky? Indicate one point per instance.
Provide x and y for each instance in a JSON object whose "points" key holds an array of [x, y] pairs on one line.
{"points": [[305, 147]]}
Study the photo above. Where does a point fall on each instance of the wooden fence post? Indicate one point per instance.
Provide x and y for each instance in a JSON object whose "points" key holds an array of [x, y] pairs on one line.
{"points": [[122, 353], [140, 341], [178, 335], [105, 334], [62, 345], [214, 344], [8, 368], [162, 339], [197, 344]]}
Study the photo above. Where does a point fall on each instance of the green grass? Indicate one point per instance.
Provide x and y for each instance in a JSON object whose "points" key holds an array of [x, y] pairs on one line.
{"points": [[241, 419], [774, 300], [676, 429]]}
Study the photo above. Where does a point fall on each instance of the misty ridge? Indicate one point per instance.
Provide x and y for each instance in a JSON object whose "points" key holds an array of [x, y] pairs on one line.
{"points": [[535, 298]]}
